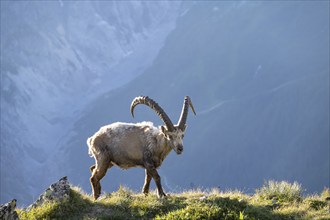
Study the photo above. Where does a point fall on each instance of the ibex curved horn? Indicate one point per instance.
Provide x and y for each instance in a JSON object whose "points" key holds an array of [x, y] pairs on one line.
{"points": [[154, 105], [184, 113]]}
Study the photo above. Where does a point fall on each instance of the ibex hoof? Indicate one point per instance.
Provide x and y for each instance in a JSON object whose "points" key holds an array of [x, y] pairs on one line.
{"points": [[96, 196], [161, 195]]}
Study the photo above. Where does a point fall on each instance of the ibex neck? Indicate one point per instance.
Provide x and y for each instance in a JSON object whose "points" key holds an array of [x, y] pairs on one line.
{"points": [[163, 150]]}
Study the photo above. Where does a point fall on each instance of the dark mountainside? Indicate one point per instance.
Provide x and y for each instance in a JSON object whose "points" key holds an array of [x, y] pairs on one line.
{"points": [[258, 75]]}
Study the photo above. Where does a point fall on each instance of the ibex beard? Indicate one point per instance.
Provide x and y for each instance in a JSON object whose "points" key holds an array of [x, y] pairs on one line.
{"points": [[142, 144]]}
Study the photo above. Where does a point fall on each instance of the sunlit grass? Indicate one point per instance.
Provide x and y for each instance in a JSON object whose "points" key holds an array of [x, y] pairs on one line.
{"points": [[191, 204], [282, 191]]}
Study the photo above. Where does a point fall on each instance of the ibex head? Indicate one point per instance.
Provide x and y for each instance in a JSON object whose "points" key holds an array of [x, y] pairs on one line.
{"points": [[173, 133]]}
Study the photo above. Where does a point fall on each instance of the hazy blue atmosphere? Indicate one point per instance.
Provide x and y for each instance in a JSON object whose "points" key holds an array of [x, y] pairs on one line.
{"points": [[257, 73]]}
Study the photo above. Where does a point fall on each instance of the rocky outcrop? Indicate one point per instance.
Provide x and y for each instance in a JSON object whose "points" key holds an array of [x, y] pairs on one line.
{"points": [[58, 191], [7, 211]]}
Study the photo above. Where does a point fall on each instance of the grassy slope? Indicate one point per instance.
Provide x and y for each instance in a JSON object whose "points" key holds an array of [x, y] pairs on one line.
{"points": [[197, 204]]}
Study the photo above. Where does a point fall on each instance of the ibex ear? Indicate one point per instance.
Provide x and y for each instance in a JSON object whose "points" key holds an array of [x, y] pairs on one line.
{"points": [[185, 126], [164, 130]]}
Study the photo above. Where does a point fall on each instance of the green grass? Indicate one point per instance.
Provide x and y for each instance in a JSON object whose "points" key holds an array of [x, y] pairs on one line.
{"points": [[275, 200], [282, 191]]}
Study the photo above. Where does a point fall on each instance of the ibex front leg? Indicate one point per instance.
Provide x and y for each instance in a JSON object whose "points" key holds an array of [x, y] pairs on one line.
{"points": [[153, 172], [147, 180]]}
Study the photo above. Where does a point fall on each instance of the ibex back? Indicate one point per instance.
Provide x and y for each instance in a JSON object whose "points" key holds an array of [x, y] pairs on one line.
{"points": [[143, 145]]}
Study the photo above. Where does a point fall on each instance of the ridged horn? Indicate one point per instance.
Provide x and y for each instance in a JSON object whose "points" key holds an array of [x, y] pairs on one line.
{"points": [[184, 113], [154, 105]]}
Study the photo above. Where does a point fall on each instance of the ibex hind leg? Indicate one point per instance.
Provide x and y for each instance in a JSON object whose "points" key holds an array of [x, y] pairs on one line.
{"points": [[98, 172]]}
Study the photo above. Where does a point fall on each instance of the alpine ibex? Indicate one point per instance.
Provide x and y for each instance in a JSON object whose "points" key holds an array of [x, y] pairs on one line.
{"points": [[130, 145]]}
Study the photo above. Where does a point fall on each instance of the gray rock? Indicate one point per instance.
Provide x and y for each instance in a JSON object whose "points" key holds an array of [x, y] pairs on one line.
{"points": [[7, 211], [58, 192]]}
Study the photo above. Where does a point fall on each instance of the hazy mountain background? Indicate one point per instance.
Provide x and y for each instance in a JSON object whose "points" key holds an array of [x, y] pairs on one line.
{"points": [[257, 73]]}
